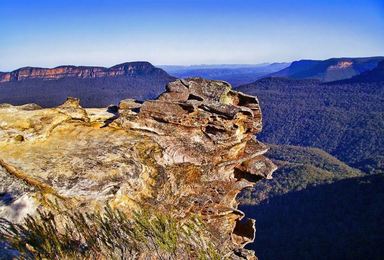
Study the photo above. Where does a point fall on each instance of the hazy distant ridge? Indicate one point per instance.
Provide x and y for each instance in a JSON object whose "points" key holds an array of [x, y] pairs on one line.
{"points": [[235, 74], [328, 70]]}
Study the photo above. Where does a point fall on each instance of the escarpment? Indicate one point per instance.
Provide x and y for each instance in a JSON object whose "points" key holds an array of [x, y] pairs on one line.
{"points": [[124, 69], [189, 152]]}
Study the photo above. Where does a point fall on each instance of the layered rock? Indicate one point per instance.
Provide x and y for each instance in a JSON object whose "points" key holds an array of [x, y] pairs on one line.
{"points": [[189, 152]]}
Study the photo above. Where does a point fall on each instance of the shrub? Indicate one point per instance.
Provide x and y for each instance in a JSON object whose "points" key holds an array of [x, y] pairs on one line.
{"points": [[110, 234]]}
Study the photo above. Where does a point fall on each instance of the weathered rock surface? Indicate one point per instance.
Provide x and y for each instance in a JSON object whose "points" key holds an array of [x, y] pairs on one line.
{"points": [[191, 151]]}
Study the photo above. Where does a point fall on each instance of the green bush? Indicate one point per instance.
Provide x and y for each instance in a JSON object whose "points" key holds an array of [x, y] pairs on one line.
{"points": [[108, 235]]}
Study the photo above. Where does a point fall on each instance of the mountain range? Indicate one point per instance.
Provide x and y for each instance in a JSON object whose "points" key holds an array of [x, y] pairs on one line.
{"points": [[100, 86], [95, 86], [328, 70], [235, 74]]}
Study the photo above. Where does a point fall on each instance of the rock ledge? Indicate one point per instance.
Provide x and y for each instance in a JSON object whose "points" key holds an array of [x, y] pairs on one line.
{"points": [[191, 151]]}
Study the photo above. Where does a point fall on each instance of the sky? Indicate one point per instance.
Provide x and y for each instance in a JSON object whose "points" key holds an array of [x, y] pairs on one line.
{"points": [[103, 32]]}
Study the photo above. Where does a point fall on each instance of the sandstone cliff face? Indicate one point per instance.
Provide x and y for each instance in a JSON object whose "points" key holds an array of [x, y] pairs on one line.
{"points": [[191, 151], [125, 69]]}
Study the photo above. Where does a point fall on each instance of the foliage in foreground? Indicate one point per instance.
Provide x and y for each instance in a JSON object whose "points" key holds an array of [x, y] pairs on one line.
{"points": [[108, 235]]}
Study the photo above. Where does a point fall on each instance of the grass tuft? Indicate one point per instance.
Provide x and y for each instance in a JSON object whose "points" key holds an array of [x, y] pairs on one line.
{"points": [[110, 234]]}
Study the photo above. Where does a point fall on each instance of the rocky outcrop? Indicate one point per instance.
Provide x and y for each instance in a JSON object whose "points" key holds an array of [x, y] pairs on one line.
{"points": [[191, 151], [124, 69]]}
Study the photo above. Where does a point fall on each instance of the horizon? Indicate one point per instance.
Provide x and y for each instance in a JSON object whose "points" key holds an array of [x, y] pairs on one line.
{"points": [[187, 33], [191, 65]]}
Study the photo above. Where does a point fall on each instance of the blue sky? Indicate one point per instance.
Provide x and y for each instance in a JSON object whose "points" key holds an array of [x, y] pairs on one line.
{"points": [[101, 32]]}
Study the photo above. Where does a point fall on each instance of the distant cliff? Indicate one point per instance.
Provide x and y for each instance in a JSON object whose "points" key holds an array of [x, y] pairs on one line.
{"points": [[328, 70], [129, 69], [95, 86], [370, 76]]}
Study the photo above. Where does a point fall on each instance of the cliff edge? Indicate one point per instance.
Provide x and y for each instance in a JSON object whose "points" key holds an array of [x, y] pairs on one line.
{"points": [[189, 152]]}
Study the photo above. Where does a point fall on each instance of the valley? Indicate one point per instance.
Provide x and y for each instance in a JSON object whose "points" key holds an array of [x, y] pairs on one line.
{"points": [[326, 137]]}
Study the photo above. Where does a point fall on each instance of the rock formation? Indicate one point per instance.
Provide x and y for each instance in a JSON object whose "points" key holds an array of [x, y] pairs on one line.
{"points": [[191, 151]]}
